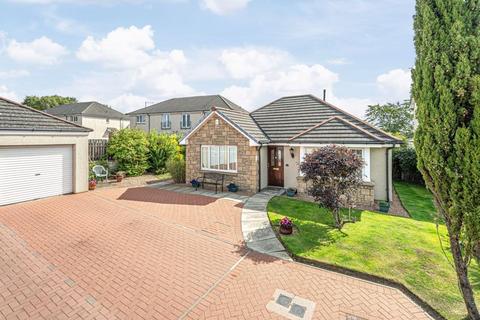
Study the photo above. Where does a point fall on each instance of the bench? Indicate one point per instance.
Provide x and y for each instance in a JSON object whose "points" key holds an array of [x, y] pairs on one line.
{"points": [[216, 179]]}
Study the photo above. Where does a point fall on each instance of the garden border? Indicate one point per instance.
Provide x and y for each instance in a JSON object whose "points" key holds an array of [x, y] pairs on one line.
{"points": [[360, 275]]}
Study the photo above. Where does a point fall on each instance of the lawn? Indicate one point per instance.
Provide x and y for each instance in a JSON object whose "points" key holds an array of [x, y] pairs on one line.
{"points": [[164, 176], [400, 249], [417, 200]]}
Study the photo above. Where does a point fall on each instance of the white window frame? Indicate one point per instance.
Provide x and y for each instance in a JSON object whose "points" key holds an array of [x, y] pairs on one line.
{"points": [[140, 119], [365, 158], [187, 124], [227, 151], [165, 125]]}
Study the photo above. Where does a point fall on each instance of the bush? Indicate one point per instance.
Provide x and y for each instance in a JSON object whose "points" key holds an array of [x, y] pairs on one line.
{"points": [[129, 147], [404, 162], [161, 147], [176, 168]]}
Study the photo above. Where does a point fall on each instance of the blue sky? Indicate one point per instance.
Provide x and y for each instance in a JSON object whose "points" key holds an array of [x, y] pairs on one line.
{"points": [[126, 53]]}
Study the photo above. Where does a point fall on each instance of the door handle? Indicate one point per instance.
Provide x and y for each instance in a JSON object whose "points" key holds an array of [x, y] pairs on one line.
{"points": [[37, 174]]}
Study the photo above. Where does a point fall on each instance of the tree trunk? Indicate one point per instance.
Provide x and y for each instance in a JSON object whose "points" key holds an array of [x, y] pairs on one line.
{"points": [[337, 219], [462, 275]]}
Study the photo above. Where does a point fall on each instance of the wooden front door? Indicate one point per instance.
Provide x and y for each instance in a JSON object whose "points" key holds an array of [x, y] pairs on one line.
{"points": [[275, 166]]}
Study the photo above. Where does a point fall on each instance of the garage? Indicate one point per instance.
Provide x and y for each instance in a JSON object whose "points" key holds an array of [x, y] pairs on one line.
{"points": [[30, 173], [40, 155]]}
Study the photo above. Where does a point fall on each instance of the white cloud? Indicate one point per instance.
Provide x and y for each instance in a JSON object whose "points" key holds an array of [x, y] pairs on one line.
{"points": [[120, 48], [127, 102], [222, 7], [11, 74], [395, 84], [6, 93], [247, 62], [42, 51], [295, 79]]}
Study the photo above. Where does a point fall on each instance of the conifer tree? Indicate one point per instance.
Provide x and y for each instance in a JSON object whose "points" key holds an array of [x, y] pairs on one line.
{"points": [[446, 89]]}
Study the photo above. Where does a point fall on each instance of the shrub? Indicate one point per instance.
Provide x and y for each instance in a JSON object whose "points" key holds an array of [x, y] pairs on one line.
{"points": [[161, 147], [334, 175], [404, 162], [129, 147], [176, 168]]}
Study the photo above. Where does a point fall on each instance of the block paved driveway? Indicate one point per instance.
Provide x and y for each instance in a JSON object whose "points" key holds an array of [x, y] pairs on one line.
{"points": [[144, 253]]}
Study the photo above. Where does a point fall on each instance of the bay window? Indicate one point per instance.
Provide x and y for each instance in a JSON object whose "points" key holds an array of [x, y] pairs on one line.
{"points": [[219, 158]]}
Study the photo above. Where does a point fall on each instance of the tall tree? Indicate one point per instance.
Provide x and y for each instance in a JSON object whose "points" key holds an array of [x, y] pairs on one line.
{"points": [[392, 117], [47, 102], [446, 88]]}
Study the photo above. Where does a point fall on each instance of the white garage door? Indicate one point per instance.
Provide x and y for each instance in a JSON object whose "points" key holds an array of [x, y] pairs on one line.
{"points": [[28, 173]]}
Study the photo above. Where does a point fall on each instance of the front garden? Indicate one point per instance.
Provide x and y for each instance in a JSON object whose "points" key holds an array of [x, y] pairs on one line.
{"points": [[403, 250]]}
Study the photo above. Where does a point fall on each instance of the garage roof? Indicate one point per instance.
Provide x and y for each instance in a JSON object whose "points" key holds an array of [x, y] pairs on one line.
{"points": [[15, 116]]}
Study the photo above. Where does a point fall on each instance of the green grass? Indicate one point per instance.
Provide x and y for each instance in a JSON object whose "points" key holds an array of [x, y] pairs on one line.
{"points": [[400, 249], [417, 200], [164, 176]]}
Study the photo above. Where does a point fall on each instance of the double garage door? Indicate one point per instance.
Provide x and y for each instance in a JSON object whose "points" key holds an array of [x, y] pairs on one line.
{"points": [[28, 173]]}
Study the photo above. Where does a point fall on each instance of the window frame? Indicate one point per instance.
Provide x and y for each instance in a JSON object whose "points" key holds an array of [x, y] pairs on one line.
{"points": [[140, 116], [189, 122], [365, 156], [226, 155], [168, 122]]}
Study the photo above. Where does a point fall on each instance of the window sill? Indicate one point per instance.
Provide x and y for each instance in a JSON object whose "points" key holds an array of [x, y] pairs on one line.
{"points": [[219, 171]]}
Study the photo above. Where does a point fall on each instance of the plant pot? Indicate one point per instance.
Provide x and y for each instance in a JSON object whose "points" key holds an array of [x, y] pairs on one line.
{"points": [[384, 206], [286, 230], [232, 188], [92, 187], [291, 192], [119, 178], [195, 184]]}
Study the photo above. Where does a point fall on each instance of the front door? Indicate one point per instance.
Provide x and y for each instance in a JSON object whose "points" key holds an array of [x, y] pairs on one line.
{"points": [[275, 166]]}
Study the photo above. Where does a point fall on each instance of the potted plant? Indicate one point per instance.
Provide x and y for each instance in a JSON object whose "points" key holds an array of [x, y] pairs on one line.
{"points": [[232, 187], [120, 175], [286, 226], [291, 192], [92, 184], [195, 183], [384, 206]]}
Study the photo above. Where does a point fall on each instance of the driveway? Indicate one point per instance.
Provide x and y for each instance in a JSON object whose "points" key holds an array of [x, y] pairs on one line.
{"points": [[145, 253]]}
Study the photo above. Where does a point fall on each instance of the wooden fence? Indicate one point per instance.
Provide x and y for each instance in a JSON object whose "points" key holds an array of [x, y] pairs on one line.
{"points": [[97, 148]]}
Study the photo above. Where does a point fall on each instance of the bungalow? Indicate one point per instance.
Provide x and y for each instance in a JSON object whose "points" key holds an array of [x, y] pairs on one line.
{"points": [[265, 147]]}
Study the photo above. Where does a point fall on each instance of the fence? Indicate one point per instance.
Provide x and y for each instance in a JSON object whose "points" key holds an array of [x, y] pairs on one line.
{"points": [[97, 148]]}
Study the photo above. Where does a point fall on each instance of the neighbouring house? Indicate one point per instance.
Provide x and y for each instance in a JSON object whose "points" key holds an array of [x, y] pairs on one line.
{"points": [[265, 147], [102, 119], [178, 115], [40, 155]]}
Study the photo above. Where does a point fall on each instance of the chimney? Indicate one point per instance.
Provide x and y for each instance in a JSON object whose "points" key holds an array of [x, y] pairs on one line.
{"points": [[324, 94]]}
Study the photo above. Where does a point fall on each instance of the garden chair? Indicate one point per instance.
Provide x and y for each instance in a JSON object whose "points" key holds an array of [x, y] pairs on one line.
{"points": [[100, 172]]}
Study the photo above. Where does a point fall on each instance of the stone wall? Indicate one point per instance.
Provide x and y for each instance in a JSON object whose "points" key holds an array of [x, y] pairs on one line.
{"points": [[364, 196], [223, 134]]}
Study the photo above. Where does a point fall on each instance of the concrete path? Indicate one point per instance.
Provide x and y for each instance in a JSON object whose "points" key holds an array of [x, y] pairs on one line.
{"points": [[256, 228]]}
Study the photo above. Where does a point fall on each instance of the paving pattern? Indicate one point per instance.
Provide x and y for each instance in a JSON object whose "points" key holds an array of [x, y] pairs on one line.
{"points": [[147, 253]]}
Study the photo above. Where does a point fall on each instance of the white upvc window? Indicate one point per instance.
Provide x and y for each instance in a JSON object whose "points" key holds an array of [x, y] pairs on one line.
{"points": [[73, 118], [140, 119], [364, 153], [219, 158], [185, 123], [166, 121]]}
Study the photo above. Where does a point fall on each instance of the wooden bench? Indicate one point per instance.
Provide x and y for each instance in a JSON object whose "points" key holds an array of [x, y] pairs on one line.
{"points": [[216, 179]]}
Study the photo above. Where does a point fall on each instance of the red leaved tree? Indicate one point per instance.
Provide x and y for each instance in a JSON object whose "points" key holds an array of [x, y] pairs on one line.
{"points": [[333, 176]]}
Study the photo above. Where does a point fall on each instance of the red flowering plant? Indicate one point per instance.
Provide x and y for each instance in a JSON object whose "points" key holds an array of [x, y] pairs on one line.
{"points": [[92, 183], [286, 222]]}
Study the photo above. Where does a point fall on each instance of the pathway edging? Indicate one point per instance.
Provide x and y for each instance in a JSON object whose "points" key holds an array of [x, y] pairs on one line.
{"points": [[256, 229]]}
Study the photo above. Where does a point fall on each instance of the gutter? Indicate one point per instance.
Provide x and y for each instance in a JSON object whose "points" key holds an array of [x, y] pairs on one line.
{"points": [[388, 171]]}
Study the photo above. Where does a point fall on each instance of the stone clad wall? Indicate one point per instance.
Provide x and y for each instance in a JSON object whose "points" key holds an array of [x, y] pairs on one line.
{"points": [[364, 197], [223, 134]]}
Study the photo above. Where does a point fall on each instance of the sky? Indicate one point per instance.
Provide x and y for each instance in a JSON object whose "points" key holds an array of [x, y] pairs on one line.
{"points": [[132, 53]]}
